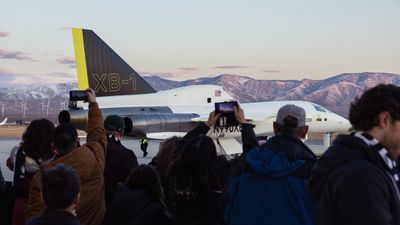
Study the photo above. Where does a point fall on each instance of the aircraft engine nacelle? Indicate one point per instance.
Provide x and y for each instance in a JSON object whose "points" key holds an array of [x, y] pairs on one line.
{"points": [[139, 124], [136, 124], [77, 117]]}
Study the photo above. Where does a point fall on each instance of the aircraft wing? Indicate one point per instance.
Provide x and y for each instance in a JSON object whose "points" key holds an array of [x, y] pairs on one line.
{"points": [[164, 135], [250, 116]]}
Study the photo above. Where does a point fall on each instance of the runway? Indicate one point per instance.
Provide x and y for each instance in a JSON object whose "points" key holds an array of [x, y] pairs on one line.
{"points": [[7, 143]]}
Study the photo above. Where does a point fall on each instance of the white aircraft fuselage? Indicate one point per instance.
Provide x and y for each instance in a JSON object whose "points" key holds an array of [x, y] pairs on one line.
{"points": [[122, 91], [193, 99]]}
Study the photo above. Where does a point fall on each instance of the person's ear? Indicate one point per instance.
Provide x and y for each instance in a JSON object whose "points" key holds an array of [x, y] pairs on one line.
{"points": [[304, 131], [384, 119]]}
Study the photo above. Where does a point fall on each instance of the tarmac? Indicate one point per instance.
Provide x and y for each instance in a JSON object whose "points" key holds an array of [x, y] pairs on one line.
{"points": [[11, 136]]}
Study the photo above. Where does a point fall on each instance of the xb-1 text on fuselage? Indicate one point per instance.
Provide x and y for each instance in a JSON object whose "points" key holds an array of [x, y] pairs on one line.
{"points": [[121, 90]]}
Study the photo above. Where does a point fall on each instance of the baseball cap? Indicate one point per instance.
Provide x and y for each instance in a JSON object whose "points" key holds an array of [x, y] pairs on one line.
{"points": [[114, 123], [291, 116]]}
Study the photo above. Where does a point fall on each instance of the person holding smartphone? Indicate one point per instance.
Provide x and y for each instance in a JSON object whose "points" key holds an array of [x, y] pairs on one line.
{"points": [[87, 160]]}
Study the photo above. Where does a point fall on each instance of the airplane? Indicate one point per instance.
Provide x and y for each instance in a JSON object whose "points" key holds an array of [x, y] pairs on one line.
{"points": [[121, 90], [4, 122]]}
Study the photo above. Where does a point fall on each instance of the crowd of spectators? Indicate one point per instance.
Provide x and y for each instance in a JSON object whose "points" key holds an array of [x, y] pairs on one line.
{"points": [[356, 181]]}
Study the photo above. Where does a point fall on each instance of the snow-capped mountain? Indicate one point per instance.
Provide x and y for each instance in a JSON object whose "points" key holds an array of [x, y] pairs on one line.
{"points": [[334, 93], [36, 92]]}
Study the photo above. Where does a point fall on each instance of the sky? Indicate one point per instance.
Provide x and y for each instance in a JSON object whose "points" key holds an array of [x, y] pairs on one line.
{"points": [[185, 39]]}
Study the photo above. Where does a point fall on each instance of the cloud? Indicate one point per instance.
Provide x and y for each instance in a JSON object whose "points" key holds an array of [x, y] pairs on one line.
{"points": [[4, 54], [230, 67], [68, 61], [60, 75], [188, 69], [4, 34], [8, 77], [272, 71]]}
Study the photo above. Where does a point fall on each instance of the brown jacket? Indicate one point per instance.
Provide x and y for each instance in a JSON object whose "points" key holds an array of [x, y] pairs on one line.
{"points": [[88, 161]]}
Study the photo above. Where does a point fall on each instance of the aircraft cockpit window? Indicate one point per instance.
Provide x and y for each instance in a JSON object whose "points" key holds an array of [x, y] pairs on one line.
{"points": [[320, 108]]}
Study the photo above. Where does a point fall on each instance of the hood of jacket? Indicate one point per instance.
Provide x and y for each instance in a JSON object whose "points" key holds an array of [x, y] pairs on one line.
{"points": [[269, 163], [291, 146], [280, 156]]}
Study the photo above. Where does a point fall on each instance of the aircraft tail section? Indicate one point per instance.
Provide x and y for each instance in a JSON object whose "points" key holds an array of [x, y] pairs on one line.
{"points": [[102, 69]]}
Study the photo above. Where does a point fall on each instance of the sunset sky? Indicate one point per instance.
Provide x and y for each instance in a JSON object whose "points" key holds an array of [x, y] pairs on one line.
{"points": [[262, 39]]}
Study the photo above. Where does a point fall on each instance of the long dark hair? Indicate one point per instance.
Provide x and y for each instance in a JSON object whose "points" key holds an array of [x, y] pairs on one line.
{"points": [[197, 162], [37, 140], [146, 177], [166, 154]]}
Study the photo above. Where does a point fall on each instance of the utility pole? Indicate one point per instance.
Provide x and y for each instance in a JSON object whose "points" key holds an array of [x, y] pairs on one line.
{"points": [[63, 105], [47, 106], [3, 104], [24, 108]]}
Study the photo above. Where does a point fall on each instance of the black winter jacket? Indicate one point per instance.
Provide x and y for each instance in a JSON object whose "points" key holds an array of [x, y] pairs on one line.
{"points": [[186, 204], [120, 162], [351, 184], [131, 207]]}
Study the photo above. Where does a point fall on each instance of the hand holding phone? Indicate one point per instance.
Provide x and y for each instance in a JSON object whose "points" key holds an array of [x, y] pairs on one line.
{"points": [[227, 115], [78, 96]]}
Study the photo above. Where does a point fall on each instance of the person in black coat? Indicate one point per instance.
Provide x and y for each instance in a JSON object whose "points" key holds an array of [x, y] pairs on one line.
{"points": [[2, 183], [140, 200], [198, 176], [356, 180], [120, 161]]}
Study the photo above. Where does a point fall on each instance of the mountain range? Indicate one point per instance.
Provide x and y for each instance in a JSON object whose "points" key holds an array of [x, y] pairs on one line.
{"points": [[335, 93]]}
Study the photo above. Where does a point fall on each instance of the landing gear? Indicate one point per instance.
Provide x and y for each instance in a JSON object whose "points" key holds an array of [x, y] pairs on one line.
{"points": [[327, 140]]}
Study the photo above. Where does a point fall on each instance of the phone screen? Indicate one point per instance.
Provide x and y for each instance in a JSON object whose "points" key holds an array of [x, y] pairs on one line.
{"points": [[78, 96], [225, 107], [227, 117]]}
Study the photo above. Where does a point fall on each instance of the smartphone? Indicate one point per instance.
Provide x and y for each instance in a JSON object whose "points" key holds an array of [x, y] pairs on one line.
{"points": [[227, 116], [78, 96], [225, 107]]}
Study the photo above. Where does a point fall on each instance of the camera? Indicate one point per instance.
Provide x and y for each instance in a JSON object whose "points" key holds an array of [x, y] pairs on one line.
{"points": [[227, 116], [78, 96]]}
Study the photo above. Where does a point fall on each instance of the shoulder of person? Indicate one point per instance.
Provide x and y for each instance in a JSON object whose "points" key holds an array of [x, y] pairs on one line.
{"points": [[360, 173]]}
